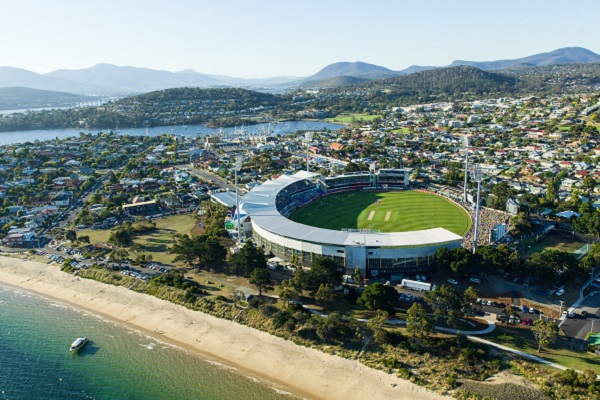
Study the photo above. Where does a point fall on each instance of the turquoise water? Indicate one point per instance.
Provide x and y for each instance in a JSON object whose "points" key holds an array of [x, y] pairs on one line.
{"points": [[117, 363]]}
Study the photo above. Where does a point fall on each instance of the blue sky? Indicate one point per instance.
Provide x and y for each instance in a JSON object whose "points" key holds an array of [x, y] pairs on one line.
{"points": [[263, 38]]}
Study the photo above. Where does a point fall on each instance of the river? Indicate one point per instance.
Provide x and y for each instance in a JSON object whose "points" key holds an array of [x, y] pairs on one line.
{"points": [[282, 128]]}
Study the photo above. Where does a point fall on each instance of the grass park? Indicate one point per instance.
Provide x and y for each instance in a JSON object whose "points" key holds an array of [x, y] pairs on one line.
{"points": [[156, 241], [552, 241], [384, 211], [559, 352], [347, 118]]}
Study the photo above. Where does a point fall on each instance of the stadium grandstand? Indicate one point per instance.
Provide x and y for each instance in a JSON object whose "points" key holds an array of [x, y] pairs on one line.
{"points": [[377, 254]]}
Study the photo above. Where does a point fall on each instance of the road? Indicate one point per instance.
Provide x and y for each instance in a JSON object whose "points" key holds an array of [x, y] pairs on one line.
{"points": [[76, 207], [218, 181], [578, 327]]}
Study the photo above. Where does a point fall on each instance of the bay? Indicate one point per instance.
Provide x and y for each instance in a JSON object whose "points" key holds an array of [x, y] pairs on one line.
{"points": [[281, 128], [117, 363]]}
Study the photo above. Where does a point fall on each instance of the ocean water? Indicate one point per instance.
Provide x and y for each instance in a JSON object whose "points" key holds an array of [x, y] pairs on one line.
{"points": [[117, 363]]}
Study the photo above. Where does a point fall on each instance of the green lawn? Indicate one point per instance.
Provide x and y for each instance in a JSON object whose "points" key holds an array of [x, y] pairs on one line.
{"points": [[401, 130], [347, 118], [155, 242], [522, 339], [408, 211], [553, 242]]}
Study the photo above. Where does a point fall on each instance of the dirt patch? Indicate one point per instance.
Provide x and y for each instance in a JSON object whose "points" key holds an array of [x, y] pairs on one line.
{"points": [[504, 386]]}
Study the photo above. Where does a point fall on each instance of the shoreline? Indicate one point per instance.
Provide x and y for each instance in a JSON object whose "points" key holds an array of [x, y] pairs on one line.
{"points": [[304, 371]]}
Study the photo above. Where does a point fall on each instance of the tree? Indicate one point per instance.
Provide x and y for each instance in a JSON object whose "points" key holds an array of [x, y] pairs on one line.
{"points": [[118, 256], [183, 248], [469, 297], [443, 258], [323, 270], [202, 249], [298, 279], [551, 263], [358, 277], [261, 278], [84, 239], [445, 302], [417, 321], [288, 291], [377, 323], [544, 332], [507, 313], [462, 261], [247, 260], [378, 297], [324, 294], [71, 236], [120, 237]]}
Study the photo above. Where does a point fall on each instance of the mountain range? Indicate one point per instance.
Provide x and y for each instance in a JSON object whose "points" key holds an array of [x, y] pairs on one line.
{"points": [[105, 79]]}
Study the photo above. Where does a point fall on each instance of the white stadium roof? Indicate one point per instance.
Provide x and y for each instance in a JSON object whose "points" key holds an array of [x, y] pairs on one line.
{"points": [[260, 204]]}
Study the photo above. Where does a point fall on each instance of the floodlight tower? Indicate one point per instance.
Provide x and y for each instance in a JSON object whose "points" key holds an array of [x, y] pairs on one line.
{"points": [[477, 176], [238, 166], [308, 137], [466, 143]]}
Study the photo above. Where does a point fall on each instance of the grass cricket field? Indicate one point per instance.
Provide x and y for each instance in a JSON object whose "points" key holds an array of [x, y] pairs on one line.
{"points": [[384, 211]]}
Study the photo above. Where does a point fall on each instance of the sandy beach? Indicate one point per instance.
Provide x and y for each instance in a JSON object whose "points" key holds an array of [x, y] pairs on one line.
{"points": [[306, 372]]}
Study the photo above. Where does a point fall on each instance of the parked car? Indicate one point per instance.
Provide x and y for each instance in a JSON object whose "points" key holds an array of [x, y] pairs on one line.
{"points": [[560, 292], [452, 281], [584, 314], [567, 314], [475, 280]]}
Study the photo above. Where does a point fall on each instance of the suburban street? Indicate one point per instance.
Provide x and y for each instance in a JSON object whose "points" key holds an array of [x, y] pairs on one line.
{"points": [[218, 181]]}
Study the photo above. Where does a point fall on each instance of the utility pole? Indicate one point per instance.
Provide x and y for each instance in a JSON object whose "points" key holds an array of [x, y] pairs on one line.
{"points": [[561, 306], [308, 137], [238, 166], [466, 143], [477, 176]]}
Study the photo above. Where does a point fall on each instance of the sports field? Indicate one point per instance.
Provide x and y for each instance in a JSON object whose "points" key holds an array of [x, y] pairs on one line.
{"points": [[384, 211]]}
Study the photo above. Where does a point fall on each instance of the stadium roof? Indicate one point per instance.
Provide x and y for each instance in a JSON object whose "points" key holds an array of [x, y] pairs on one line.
{"points": [[260, 204], [225, 198]]}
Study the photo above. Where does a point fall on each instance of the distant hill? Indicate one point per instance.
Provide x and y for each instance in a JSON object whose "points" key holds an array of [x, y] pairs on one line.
{"points": [[333, 82], [440, 84], [125, 80], [415, 68], [132, 79], [451, 80], [16, 77], [559, 56], [14, 98], [351, 69]]}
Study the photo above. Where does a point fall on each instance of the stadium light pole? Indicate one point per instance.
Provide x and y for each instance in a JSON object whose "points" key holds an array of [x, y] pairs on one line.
{"points": [[466, 143], [238, 166], [477, 176], [308, 137]]}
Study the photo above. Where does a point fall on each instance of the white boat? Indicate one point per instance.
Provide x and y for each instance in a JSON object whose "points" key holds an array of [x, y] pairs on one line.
{"points": [[78, 344]]}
